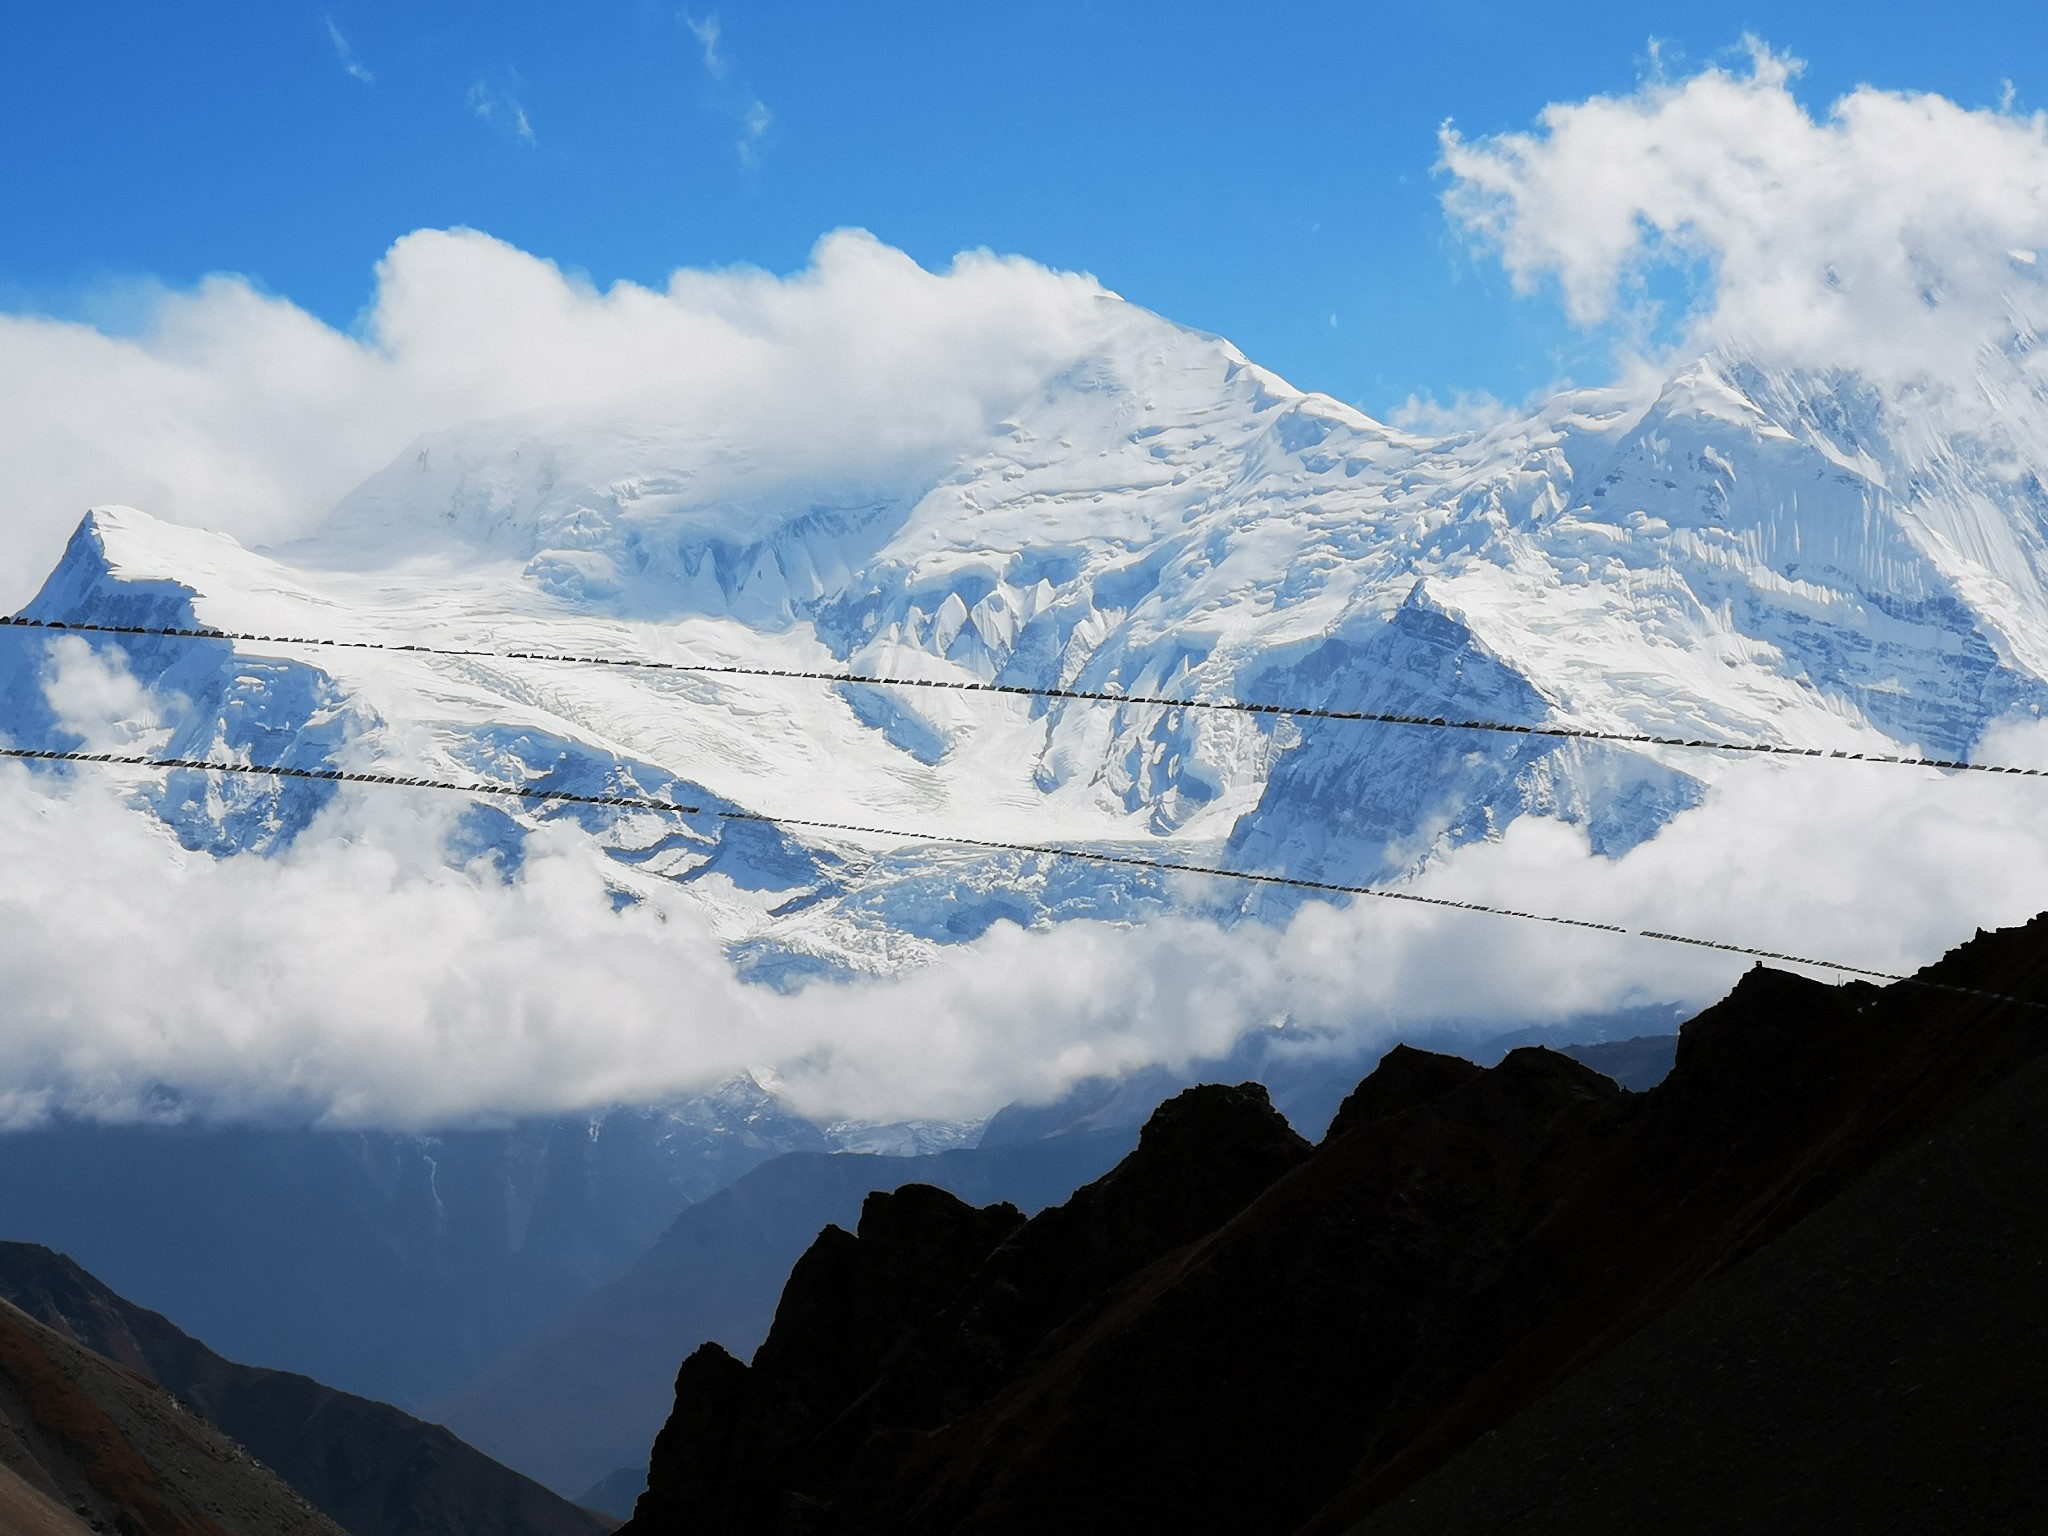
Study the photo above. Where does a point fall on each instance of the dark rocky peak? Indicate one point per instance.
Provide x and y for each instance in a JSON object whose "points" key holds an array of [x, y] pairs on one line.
{"points": [[1196, 1117], [1996, 963], [1454, 1090], [930, 1308], [1534, 1080], [1205, 1153], [916, 1226], [1770, 1025], [853, 1295], [848, 1302], [689, 1469], [1876, 1370], [1813, 1082], [1376, 1239], [1211, 1388], [1405, 1077]]}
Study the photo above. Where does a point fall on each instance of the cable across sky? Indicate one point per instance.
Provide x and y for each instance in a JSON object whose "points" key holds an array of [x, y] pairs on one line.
{"points": [[534, 793], [1049, 850], [1082, 695]]}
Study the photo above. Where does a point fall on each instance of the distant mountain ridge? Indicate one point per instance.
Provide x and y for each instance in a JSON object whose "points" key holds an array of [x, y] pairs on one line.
{"points": [[394, 1265]]}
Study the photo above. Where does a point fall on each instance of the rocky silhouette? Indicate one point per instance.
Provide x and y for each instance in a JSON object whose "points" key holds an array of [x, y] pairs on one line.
{"points": [[578, 1407], [1236, 1332]]}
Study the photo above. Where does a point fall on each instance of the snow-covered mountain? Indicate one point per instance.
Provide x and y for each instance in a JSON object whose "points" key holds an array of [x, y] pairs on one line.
{"points": [[1745, 554]]}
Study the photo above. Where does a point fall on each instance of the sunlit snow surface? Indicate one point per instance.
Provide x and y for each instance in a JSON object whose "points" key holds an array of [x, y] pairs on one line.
{"points": [[1746, 556]]}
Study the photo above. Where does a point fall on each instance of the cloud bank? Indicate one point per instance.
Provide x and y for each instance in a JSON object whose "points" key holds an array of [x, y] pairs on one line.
{"points": [[143, 981], [1895, 233], [237, 411], [358, 979]]}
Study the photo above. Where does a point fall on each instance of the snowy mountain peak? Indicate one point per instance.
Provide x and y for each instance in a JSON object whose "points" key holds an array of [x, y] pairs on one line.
{"points": [[1744, 554]]}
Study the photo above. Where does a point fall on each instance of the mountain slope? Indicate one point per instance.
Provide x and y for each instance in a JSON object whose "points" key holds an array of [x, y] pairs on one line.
{"points": [[393, 1265], [82, 1435], [1876, 1369], [1464, 1241], [372, 1469]]}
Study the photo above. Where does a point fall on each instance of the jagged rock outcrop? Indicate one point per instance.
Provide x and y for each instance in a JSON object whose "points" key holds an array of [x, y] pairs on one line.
{"points": [[587, 1397], [855, 1358]]}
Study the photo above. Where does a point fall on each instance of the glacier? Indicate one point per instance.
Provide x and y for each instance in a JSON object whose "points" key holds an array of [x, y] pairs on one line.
{"points": [[1744, 553]]}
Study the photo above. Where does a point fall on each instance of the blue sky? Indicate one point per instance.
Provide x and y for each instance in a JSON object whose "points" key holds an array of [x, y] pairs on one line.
{"points": [[1260, 172]]}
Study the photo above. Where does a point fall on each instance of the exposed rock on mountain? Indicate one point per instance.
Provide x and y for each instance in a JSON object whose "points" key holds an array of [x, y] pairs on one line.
{"points": [[372, 1469], [1258, 1337]]}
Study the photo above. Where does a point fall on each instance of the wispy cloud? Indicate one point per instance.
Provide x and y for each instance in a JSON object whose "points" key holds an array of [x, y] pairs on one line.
{"points": [[499, 106], [754, 125], [737, 97], [350, 64], [707, 34]]}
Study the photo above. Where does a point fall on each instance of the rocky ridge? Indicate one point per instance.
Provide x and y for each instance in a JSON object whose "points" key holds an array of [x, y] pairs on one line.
{"points": [[1465, 1245]]}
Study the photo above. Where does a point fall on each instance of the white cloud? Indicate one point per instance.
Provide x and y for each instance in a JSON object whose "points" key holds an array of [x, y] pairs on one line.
{"points": [[138, 975], [1877, 235], [98, 700], [235, 410], [1465, 412], [351, 65]]}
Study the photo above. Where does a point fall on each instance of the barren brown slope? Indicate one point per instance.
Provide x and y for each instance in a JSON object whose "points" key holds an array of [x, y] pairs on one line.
{"points": [[376, 1470], [26, 1511], [115, 1449]]}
